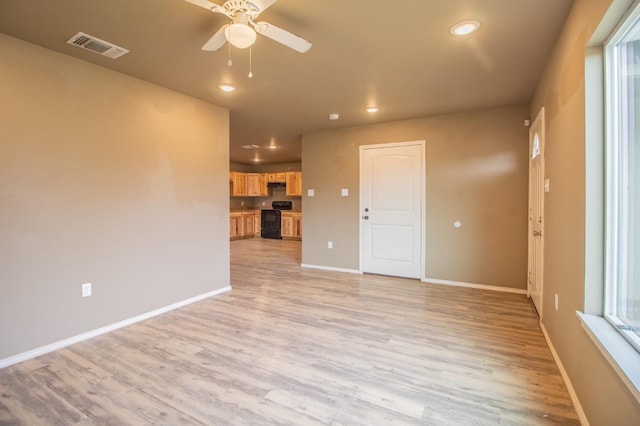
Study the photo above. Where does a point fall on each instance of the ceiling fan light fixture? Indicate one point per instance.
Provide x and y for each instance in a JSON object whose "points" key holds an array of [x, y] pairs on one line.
{"points": [[465, 27], [240, 35]]}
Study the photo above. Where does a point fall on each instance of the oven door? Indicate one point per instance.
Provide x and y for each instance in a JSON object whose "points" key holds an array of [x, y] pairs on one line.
{"points": [[270, 224]]}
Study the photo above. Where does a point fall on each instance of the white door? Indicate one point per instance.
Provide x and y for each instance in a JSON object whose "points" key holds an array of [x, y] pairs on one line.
{"points": [[391, 206], [536, 211]]}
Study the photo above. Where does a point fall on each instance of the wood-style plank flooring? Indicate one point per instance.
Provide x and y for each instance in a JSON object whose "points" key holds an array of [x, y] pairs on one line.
{"points": [[303, 347]]}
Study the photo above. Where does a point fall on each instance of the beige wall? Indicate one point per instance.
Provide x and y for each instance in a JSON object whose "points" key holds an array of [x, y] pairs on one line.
{"points": [[107, 179], [476, 172], [561, 90]]}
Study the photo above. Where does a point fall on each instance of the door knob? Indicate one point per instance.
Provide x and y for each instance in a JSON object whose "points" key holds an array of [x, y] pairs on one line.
{"points": [[365, 217], [537, 233]]}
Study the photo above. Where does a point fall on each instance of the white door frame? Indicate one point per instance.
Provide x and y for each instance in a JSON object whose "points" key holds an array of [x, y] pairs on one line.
{"points": [[423, 148], [539, 123]]}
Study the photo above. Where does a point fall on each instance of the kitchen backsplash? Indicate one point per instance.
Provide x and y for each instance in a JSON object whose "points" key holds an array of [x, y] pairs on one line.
{"points": [[256, 203]]}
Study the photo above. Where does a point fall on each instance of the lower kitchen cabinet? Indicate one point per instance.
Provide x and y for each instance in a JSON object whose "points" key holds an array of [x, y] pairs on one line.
{"points": [[257, 223], [236, 225], [247, 224], [291, 225], [244, 224]]}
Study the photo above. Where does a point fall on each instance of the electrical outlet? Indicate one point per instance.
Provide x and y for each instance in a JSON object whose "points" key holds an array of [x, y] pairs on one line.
{"points": [[330, 244], [556, 301], [86, 289]]}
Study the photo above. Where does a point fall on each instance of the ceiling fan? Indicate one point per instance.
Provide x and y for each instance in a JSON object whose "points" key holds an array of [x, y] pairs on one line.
{"points": [[241, 32]]}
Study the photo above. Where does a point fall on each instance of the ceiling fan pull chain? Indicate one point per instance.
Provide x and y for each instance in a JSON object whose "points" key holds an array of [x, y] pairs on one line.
{"points": [[229, 63], [250, 67]]}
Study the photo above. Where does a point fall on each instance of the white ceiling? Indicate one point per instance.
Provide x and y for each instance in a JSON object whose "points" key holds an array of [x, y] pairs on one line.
{"points": [[398, 55]]}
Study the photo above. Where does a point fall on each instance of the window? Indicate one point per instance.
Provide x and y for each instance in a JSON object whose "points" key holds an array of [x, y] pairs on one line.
{"points": [[535, 147], [622, 227]]}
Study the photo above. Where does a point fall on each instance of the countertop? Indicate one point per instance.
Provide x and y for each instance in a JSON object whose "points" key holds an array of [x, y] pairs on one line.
{"points": [[253, 210]]}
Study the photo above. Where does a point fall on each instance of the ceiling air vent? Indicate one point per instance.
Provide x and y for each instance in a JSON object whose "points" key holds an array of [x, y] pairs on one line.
{"points": [[94, 44]]}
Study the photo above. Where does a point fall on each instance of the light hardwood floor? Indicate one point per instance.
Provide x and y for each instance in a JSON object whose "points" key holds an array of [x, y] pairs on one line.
{"points": [[298, 346]]}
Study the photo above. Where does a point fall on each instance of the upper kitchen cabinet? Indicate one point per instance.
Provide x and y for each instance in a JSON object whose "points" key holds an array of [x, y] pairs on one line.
{"points": [[238, 184], [257, 185], [294, 183], [248, 184], [276, 177]]}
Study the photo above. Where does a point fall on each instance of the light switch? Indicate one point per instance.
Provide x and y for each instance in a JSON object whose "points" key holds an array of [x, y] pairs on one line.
{"points": [[546, 185], [345, 192], [311, 193]]}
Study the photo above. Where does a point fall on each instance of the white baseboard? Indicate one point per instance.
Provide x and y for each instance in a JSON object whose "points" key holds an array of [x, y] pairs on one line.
{"points": [[473, 285], [102, 330], [331, 268], [572, 393]]}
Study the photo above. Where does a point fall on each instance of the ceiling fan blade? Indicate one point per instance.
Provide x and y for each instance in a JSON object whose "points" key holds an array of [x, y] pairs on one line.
{"points": [[261, 5], [207, 5], [217, 41], [282, 36]]}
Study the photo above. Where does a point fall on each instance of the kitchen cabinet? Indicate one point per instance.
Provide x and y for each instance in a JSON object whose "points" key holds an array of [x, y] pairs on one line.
{"points": [[291, 225], [257, 223], [248, 223], [257, 185], [236, 227], [244, 224], [238, 184], [294, 184], [286, 229], [248, 184], [276, 177]]}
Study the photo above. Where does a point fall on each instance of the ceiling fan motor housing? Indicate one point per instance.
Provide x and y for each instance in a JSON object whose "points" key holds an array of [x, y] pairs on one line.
{"points": [[236, 7]]}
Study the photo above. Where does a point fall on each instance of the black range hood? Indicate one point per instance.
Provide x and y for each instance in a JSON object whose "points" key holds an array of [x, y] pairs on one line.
{"points": [[276, 185]]}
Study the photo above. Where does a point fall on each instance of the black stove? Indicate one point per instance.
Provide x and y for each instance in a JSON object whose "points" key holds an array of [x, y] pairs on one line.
{"points": [[271, 220], [282, 205]]}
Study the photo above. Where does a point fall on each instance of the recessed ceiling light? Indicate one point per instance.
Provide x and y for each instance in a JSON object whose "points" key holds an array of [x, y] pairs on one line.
{"points": [[334, 116], [371, 110], [272, 147], [227, 87], [465, 27]]}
